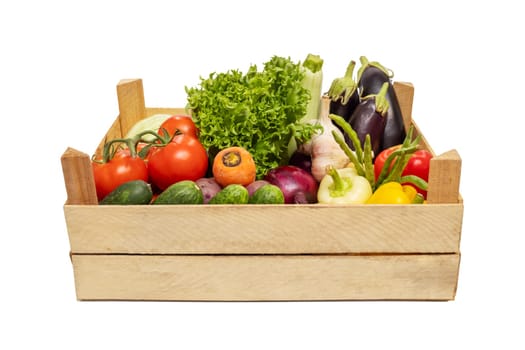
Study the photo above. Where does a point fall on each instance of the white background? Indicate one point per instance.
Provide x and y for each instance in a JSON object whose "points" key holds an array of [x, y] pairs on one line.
{"points": [[59, 66]]}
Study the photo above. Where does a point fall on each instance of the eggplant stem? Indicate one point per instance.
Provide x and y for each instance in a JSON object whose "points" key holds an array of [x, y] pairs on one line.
{"points": [[365, 63], [343, 88], [381, 101]]}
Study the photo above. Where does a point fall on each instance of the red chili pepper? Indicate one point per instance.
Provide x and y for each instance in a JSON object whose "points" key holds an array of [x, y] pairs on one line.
{"points": [[418, 165]]}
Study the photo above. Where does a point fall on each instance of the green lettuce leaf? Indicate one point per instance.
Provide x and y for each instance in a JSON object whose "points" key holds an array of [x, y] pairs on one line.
{"points": [[257, 110]]}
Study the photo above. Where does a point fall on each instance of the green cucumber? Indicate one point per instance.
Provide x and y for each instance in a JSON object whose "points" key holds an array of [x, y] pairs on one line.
{"points": [[267, 194], [182, 192], [131, 192], [231, 194]]}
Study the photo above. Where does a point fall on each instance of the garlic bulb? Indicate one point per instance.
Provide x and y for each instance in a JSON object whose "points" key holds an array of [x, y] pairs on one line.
{"points": [[324, 149]]}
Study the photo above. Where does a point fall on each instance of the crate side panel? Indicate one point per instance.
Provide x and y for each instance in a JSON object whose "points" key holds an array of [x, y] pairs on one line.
{"points": [[271, 277], [264, 229]]}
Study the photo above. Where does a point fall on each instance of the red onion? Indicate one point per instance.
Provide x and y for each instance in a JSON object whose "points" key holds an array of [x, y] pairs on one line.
{"points": [[298, 185]]}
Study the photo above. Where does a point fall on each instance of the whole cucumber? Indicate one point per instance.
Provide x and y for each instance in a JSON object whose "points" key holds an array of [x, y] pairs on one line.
{"points": [[231, 194], [182, 192], [131, 192]]}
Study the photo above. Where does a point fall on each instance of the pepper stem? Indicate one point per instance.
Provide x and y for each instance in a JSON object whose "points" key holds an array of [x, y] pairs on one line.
{"points": [[339, 186]]}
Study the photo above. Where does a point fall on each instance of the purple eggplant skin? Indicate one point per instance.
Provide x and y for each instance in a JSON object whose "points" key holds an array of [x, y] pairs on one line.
{"points": [[367, 120], [370, 80], [301, 160], [345, 110], [344, 94]]}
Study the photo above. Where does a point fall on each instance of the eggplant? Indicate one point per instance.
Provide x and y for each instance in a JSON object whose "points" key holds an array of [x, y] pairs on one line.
{"points": [[370, 78], [343, 93], [370, 118], [301, 160]]}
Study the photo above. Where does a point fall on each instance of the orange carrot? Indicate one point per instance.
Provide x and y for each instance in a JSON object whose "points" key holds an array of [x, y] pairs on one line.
{"points": [[234, 165]]}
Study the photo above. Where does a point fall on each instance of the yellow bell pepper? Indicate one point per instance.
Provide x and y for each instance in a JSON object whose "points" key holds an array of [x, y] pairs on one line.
{"points": [[395, 193]]}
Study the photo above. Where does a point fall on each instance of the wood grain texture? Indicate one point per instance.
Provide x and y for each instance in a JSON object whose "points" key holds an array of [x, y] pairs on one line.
{"points": [[78, 177], [271, 277], [405, 96], [264, 229], [444, 178], [132, 108]]}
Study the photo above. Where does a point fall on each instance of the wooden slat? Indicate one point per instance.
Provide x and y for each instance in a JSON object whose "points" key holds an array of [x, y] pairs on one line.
{"points": [[132, 108], [271, 277], [405, 96], [78, 177], [444, 178], [264, 229]]}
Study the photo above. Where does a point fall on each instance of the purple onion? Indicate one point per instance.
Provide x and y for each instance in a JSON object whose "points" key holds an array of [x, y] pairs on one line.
{"points": [[297, 185]]}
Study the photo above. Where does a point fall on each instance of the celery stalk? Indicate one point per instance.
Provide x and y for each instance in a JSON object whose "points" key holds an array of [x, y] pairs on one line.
{"points": [[313, 81]]}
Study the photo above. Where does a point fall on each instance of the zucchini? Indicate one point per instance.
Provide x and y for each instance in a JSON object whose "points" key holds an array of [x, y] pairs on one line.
{"points": [[182, 192], [131, 192]]}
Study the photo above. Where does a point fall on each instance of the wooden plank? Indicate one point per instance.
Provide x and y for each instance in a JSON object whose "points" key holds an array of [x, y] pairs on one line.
{"points": [[78, 177], [270, 277], [405, 96], [444, 178], [264, 229], [132, 108], [164, 110]]}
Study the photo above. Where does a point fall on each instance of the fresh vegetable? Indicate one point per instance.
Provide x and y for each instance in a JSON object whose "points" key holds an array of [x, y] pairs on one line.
{"points": [[394, 164], [182, 192], [231, 194], [325, 151], [298, 185], [301, 160], [234, 165], [254, 186], [369, 118], [181, 158], [180, 122], [149, 123], [343, 186], [209, 188], [267, 194], [370, 78], [117, 166], [344, 94], [313, 82], [131, 192], [259, 111], [395, 193], [418, 165]]}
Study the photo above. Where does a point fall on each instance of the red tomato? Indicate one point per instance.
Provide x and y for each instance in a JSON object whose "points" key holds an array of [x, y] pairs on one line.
{"points": [[184, 123], [120, 169], [184, 158], [418, 164]]}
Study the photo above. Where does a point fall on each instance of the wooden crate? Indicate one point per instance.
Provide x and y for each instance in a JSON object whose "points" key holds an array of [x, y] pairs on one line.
{"points": [[262, 252]]}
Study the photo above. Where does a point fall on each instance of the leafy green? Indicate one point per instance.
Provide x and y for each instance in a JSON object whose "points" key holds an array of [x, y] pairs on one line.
{"points": [[257, 110]]}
